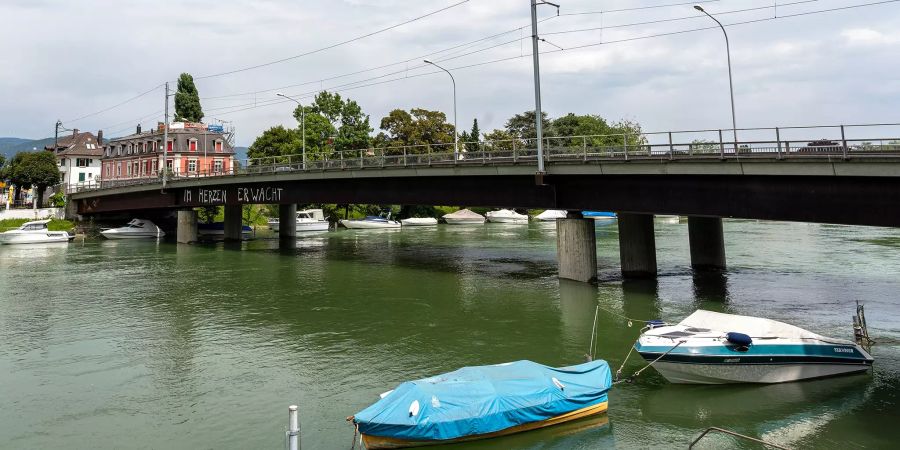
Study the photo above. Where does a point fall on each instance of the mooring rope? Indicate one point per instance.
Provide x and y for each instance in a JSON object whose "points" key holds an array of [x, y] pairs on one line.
{"points": [[355, 432], [636, 374]]}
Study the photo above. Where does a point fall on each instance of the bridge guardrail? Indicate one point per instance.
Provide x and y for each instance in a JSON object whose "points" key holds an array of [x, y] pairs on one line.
{"points": [[583, 149]]}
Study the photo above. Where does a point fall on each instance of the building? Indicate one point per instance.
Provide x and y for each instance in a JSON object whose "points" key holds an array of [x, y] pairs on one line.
{"points": [[194, 149], [79, 157]]}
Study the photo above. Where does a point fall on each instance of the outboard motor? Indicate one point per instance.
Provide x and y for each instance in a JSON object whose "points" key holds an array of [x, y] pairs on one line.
{"points": [[740, 340]]}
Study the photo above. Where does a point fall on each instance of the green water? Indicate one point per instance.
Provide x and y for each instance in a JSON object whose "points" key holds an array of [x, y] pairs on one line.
{"points": [[113, 344]]}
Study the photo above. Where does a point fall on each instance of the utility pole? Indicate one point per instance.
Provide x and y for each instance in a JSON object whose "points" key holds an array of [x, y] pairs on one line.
{"points": [[165, 143], [56, 136], [538, 116]]}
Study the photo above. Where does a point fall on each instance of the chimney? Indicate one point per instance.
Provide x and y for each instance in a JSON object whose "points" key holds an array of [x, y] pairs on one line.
{"points": [[75, 132], [139, 129], [100, 137]]}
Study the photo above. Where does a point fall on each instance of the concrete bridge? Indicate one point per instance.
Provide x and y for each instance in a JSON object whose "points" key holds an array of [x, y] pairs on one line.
{"points": [[844, 181]]}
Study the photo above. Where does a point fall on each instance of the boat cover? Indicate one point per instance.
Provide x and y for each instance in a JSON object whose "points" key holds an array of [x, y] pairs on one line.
{"points": [[484, 399], [755, 327], [464, 214], [551, 214]]}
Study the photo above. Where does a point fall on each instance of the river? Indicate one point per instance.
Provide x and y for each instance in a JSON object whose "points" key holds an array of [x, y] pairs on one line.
{"points": [[114, 344]]}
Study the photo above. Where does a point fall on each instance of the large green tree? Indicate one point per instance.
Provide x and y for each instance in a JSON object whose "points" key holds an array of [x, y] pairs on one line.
{"points": [[522, 125], [418, 127], [472, 137], [351, 125], [187, 100], [38, 169], [275, 141]]}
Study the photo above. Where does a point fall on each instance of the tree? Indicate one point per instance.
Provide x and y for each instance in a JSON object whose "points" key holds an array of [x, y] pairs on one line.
{"points": [[11, 173], [2, 163], [187, 100], [351, 125], [474, 136], [319, 135], [594, 130], [275, 141], [40, 170], [500, 140], [522, 125], [418, 127]]}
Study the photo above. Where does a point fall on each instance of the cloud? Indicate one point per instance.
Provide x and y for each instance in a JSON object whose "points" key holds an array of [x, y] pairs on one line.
{"points": [[869, 37]]}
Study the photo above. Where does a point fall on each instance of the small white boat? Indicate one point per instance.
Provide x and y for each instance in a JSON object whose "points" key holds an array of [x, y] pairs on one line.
{"points": [[418, 222], [371, 222], [668, 218], [35, 232], [506, 216], [463, 217], [715, 348], [551, 215], [136, 229], [307, 220]]}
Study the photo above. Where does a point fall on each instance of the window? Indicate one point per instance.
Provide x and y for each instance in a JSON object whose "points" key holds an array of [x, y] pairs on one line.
{"points": [[81, 177], [217, 166], [141, 147], [109, 171], [170, 145], [127, 169], [118, 170], [192, 145], [136, 167], [218, 146], [90, 175], [62, 162], [82, 162], [155, 166], [120, 150], [169, 165], [192, 165]]}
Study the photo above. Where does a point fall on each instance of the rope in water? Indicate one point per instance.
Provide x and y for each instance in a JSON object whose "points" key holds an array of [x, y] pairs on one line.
{"points": [[636, 374]]}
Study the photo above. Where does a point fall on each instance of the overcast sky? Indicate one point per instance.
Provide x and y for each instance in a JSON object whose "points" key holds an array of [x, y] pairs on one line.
{"points": [[67, 59]]}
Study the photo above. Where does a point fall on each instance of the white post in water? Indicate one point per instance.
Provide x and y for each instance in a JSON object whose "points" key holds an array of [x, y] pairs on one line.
{"points": [[293, 428]]}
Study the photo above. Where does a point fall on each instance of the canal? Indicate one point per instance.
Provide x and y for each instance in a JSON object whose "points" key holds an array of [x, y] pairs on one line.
{"points": [[114, 344]]}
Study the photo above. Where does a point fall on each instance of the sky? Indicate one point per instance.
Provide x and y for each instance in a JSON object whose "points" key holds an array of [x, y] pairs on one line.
{"points": [[76, 61]]}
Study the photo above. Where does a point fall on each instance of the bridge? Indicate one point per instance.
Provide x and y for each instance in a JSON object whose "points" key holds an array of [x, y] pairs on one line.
{"points": [[853, 178]]}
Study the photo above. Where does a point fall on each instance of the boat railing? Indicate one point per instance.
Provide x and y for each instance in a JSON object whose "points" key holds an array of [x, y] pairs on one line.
{"points": [[732, 433]]}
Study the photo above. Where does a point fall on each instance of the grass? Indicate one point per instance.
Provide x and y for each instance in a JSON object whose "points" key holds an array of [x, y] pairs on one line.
{"points": [[54, 225]]}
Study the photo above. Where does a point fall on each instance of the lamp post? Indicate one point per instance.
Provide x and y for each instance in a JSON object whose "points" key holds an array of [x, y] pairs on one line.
{"points": [[455, 130], [730, 82], [302, 124]]}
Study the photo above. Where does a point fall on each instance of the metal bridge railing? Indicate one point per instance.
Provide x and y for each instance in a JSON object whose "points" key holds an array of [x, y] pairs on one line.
{"points": [[582, 149]]}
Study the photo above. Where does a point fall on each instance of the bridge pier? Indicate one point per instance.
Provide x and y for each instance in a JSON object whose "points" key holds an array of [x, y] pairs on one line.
{"points": [[707, 243], [233, 223], [576, 249], [637, 245], [186, 232], [287, 223]]}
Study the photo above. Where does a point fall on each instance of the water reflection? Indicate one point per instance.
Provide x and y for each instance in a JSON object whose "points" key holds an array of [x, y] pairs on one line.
{"points": [[710, 287]]}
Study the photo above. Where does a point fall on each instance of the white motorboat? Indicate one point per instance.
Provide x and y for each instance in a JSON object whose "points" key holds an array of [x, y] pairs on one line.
{"points": [[715, 348], [136, 229], [35, 232], [307, 220], [551, 215], [371, 222], [664, 218], [418, 222], [463, 217], [506, 216]]}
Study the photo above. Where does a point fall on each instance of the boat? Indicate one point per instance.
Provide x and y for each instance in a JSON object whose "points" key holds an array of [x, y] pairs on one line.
{"points": [[307, 220], [551, 215], [218, 229], [463, 217], [599, 215], [506, 216], [483, 402], [418, 222], [35, 232], [371, 222], [670, 219], [136, 229], [715, 348]]}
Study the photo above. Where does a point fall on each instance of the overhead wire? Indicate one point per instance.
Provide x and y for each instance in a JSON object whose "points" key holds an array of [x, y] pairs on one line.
{"points": [[116, 105]]}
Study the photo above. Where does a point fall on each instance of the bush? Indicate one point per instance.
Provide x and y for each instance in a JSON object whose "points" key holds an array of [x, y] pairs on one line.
{"points": [[58, 200]]}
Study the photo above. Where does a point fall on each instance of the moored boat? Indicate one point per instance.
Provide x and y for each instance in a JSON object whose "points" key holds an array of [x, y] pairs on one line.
{"points": [[551, 215], [463, 217], [307, 220], [218, 229], [419, 222], [371, 222], [35, 232], [506, 216], [599, 215], [484, 402], [136, 229], [715, 348]]}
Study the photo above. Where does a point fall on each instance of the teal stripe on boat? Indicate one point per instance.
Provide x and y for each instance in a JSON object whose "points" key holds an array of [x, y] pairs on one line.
{"points": [[838, 351]]}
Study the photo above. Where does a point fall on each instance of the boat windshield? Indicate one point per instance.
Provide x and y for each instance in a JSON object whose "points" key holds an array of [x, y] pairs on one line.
{"points": [[34, 226], [136, 225]]}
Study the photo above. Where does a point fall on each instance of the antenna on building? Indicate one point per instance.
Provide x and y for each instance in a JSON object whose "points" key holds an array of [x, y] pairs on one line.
{"points": [[228, 130]]}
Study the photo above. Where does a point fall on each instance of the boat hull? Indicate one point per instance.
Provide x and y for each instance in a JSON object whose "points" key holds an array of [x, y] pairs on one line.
{"points": [[381, 442], [35, 238], [419, 222], [303, 226], [509, 220], [682, 373], [113, 234], [472, 221], [369, 225]]}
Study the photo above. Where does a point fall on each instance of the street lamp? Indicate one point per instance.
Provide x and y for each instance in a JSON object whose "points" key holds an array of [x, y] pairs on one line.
{"points": [[455, 130], [730, 83], [302, 124]]}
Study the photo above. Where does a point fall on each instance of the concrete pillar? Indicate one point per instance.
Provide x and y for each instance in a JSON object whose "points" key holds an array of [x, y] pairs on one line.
{"points": [[576, 249], [637, 245], [233, 222], [707, 243], [187, 226], [287, 222]]}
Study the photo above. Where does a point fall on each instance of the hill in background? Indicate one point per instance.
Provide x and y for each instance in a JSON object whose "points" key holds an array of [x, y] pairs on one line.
{"points": [[9, 146]]}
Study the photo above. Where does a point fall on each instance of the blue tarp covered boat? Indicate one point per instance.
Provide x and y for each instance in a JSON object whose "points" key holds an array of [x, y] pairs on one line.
{"points": [[482, 402]]}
